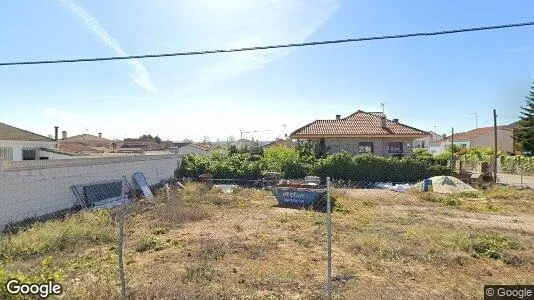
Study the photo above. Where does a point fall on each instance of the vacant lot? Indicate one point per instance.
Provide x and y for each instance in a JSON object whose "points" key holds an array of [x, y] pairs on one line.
{"points": [[205, 244]]}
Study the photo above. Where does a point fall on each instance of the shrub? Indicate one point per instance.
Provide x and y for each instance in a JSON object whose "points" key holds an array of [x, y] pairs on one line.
{"points": [[344, 166], [222, 165], [297, 164], [517, 165], [147, 244], [492, 246]]}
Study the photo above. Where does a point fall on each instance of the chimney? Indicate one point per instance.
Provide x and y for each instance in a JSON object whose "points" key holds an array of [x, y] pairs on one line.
{"points": [[395, 120], [338, 117], [63, 135], [383, 122], [100, 134], [56, 134]]}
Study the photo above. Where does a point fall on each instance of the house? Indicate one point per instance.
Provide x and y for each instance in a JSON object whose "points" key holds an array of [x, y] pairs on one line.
{"points": [[427, 142], [280, 142], [85, 144], [361, 132], [198, 148], [18, 144], [139, 145], [480, 138]]}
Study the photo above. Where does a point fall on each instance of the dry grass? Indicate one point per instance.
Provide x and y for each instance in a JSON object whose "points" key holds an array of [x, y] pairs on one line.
{"points": [[205, 244]]}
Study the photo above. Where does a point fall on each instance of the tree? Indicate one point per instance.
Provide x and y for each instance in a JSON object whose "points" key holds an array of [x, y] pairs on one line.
{"points": [[157, 139], [421, 153], [525, 133]]}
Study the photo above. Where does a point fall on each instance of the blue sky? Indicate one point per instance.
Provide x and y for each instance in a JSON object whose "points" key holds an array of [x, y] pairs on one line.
{"points": [[429, 83]]}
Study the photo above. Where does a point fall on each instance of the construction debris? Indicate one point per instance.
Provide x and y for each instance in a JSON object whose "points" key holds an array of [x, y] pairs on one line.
{"points": [[447, 184], [392, 187]]}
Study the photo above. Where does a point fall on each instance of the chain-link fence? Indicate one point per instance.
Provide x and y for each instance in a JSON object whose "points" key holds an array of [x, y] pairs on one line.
{"points": [[197, 238], [119, 240]]}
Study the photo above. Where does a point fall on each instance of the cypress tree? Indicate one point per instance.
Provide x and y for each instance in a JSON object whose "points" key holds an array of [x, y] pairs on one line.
{"points": [[524, 135]]}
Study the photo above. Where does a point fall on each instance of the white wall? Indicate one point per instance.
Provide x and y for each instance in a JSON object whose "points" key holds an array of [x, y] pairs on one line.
{"points": [[35, 188], [18, 145]]}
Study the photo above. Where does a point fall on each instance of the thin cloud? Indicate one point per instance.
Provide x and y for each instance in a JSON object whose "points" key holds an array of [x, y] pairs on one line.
{"points": [[140, 73], [56, 113], [240, 23]]}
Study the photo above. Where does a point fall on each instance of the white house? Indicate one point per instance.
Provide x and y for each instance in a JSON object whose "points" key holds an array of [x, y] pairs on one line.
{"points": [[427, 142], [17, 144]]}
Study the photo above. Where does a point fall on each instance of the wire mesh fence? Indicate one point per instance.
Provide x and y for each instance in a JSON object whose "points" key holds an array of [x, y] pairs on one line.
{"points": [[197, 238], [115, 235]]}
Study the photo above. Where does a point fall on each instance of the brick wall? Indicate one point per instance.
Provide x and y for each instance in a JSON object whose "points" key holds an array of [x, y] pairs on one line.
{"points": [[36, 188]]}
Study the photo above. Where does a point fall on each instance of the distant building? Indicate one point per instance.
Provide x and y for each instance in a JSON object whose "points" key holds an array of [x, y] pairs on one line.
{"points": [[18, 144], [196, 148], [427, 141], [360, 133], [85, 144], [280, 142], [480, 138], [140, 145]]}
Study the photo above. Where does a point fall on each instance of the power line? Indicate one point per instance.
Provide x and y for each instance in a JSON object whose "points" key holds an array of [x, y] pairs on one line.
{"points": [[316, 43]]}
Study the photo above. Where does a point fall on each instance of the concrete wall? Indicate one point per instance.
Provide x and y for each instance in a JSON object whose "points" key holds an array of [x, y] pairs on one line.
{"points": [[35, 188], [18, 145], [379, 144]]}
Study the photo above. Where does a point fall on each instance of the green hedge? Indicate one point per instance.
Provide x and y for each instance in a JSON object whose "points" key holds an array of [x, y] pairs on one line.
{"points": [[222, 165], [292, 164], [517, 165], [344, 166]]}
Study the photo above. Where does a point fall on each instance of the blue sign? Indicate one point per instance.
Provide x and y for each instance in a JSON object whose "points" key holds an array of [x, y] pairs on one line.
{"points": [[295, 197]]}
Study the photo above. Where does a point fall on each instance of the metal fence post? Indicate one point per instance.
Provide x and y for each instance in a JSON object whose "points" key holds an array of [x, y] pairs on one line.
{"points": [[521, 170], [329, 224], [167, 192], [121, 240]]}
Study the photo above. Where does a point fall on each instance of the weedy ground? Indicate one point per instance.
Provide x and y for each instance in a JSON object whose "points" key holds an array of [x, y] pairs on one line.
{"points": [[206, 244]]}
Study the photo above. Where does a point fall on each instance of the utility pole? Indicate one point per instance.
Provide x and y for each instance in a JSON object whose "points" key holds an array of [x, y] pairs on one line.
{"points": [[285, 130], [495, 154], [452, 150]]}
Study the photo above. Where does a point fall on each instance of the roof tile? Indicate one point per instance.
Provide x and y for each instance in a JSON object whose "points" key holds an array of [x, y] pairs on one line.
{"points": [[358, 123], [10, 133]]}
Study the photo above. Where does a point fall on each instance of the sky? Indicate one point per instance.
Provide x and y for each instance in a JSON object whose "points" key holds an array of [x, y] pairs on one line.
{"points": [[433, 83]]}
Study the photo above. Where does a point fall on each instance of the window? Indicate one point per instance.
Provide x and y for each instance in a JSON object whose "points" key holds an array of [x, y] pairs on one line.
{"points": [[394, 148], [29, 154], [6, 153], [365, 147]]}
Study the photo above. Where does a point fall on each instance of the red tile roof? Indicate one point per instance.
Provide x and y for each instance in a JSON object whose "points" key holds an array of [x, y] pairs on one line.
{"points": [[76, 147], [471, 134], [359, 123]]}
